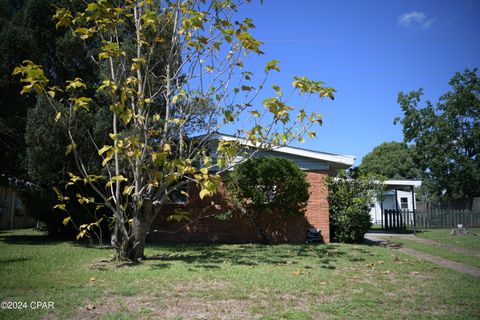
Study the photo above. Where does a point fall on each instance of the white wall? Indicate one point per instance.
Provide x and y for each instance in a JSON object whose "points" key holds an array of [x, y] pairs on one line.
{"points": [[389, 203]]}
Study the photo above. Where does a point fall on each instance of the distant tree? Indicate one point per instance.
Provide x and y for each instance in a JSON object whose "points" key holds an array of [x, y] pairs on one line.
{"points": [[349, 198], [447, 137], [263, 186], [393, 160]]}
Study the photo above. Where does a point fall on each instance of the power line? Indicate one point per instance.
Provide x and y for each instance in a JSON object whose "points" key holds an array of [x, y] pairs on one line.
{"points": [[472, 37]]}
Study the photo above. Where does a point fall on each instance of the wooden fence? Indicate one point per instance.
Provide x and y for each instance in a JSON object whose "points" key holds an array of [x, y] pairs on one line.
{"points": [[433, 218]]}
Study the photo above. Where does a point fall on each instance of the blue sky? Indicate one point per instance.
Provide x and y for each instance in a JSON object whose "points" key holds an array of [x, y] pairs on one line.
{"points": [[368, 51]]}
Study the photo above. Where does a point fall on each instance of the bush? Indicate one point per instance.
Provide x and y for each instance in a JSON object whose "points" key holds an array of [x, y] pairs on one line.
{"points": [[261, 186], [349, 201]]}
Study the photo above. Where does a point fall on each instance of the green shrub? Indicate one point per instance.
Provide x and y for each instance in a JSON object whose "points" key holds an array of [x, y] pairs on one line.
{"points": [[349, 201], [262, 186]]}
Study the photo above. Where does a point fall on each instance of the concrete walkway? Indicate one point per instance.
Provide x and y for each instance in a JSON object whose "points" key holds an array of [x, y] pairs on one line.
{"points": [[457, 266], [446, 246]]}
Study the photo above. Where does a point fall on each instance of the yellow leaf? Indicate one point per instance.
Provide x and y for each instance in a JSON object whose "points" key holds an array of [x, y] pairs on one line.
{"points": [[203, 193], [128, 190], [60, 206], [66, 220], [167, 147], [57, 116], [70, 147], [104, 149]]}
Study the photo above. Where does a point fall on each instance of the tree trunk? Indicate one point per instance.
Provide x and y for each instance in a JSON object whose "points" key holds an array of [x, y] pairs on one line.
{"points": [[140, 228], [258, 228], [132, 248]]}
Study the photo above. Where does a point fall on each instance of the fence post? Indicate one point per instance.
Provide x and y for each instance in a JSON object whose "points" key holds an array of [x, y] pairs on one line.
{"points": [[414, 213]]}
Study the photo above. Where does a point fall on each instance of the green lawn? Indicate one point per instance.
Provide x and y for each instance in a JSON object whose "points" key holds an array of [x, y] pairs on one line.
{"points": [[472, 240], [437, 251], [230, 282]]}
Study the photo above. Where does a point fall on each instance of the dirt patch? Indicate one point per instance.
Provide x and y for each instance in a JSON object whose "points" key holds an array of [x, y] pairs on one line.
{"points": [[180, 304]]}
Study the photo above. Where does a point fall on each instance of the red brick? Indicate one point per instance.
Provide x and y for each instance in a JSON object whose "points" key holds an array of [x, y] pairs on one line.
{"points": [[238, 229]]}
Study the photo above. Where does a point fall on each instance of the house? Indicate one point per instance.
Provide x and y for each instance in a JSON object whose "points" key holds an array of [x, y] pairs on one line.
{"points": [[13, 212], [205, 228], [399, 195]]}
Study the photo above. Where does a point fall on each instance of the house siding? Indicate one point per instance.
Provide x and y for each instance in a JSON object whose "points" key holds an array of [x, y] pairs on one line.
{"points": [[389, 203], [206, 228]]}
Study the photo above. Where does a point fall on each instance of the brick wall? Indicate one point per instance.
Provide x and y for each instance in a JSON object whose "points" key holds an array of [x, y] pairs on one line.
{"points": [[317, 209], [239, 230]]}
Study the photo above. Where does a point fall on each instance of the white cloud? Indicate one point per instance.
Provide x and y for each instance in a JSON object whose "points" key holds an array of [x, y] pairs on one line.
{"points": [[415, 18]]}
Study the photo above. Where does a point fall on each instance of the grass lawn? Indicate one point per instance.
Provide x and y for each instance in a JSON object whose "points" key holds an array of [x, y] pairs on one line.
{"points": [[195, 281], [437, 251], [472, 240]]}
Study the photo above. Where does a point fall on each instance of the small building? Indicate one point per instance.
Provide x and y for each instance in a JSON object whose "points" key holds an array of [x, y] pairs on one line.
{"points": [[13, 212], [399, 195], [317, 166]]}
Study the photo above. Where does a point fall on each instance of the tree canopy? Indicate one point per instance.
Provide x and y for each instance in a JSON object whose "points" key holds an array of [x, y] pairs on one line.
{"points": [[392, 160], [447, 136]]}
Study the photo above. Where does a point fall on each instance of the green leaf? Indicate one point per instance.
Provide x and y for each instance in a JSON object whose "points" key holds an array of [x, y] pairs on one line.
{"points": [[272, 65]]}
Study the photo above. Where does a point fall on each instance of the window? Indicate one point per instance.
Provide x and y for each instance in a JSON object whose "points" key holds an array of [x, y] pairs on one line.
{"points": [[403, 203], [180, 196]]}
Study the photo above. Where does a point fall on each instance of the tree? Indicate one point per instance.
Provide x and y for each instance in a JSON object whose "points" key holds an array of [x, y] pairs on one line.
{"points": [[152, 101], [393, 160], [447, 137], [26, 31], [32, 148], [263, 186], [349, 200]]}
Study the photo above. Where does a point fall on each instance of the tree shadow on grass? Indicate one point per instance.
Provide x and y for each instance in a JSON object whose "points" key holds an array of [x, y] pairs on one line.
{"points": [[29, 239], [43, 239], [213, 256], [13, 260]]}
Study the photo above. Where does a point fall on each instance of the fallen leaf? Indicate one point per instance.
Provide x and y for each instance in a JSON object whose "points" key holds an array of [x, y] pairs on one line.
{"points": [[380, 262], [323, 283], [297, 273], [414, 273], [90, 306], [92, 279]]}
